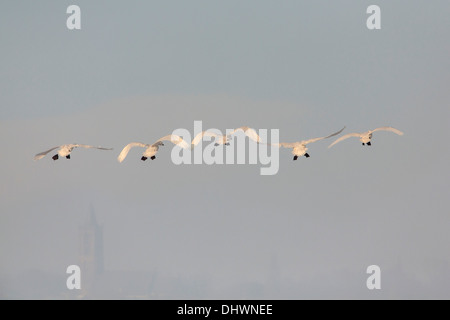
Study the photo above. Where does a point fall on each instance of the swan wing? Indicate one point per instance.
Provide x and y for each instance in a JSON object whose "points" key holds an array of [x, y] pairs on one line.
{"points": [[43, 154], [174, 139], [389, 129], [200, 136], [286, 144], [349, 135], [249, 132], [123, 154], [245, 128], [321, 138], [88, 147]]}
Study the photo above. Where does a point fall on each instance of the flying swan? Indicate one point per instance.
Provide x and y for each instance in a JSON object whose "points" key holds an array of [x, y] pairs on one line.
{"points": [[365, 137], [152, 149], [225, 139], [299, 148], [65, 150]]}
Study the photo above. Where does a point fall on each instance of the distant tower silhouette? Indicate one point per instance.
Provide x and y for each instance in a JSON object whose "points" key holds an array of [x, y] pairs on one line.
{"points": [[91, 250]]}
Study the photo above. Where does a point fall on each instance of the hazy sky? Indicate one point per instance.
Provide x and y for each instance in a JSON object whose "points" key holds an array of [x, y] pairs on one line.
{"points": [[138, 70]]}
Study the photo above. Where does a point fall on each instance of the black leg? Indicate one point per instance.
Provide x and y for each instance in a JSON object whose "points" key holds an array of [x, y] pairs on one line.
{"points": [[68, 156], [55, 157], [295, 158], [306, 155], [153, 157], [369, 144], [143, 158]]}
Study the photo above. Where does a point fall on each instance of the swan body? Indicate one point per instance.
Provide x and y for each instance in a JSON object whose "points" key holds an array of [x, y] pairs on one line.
{"points": [[366, 137], [151, 149], [299, 148], [65, 150]]}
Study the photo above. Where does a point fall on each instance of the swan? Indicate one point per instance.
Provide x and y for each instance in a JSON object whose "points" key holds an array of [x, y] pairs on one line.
{"points": [[365, 137], [224, 139], [299, 148], [152, 149], [65, 150]]}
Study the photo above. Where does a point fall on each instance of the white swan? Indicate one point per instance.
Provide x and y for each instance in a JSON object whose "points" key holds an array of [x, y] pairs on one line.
{"points": [[152, 149], [65, 150], [299, 148], [365, 137], [224, 139]]}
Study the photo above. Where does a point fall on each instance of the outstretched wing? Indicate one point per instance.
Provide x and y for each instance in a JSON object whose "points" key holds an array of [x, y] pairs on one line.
{"points": [[200, 136], [286, 144], [43, 154], [174, 139], [388, 129], [249, 132], [89, 147], [345, 137], [235, 130], [123, 154], [321, 138]]}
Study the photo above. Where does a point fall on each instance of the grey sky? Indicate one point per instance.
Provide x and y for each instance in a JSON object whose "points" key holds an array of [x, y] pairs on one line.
{"points": [[138, 70]]}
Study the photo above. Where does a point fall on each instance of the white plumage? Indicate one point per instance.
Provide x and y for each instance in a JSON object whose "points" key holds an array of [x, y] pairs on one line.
{"points": [[65, 150], [152, 149], [365, 137], [299, 148]]}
